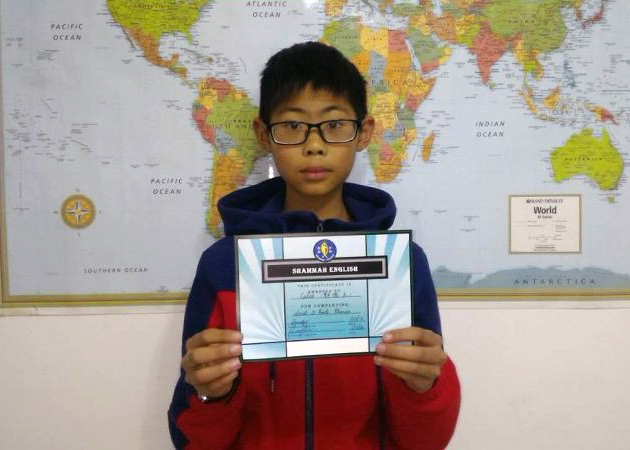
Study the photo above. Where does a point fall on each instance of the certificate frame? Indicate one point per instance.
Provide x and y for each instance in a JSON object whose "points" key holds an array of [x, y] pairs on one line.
{"points": [[305, 295]]}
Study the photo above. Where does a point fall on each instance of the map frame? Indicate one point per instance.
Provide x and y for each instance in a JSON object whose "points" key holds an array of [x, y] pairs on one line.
{"points": [[142, 298]]}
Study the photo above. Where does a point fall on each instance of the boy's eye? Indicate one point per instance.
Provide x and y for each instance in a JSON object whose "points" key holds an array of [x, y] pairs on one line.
{"points": [[294, 125], [332, 124]]}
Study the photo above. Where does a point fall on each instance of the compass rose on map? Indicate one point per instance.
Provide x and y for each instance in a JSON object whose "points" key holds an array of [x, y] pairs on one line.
{"points": [[78, 211]]}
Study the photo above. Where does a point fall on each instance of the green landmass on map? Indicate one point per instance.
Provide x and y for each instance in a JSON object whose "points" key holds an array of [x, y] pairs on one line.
{"points": [[539, 23], [224, 115], [157, 17], [487, 28], [145, 21], [425, 47], [585, 154], [344, 35], [382, 56], [404, 9]]}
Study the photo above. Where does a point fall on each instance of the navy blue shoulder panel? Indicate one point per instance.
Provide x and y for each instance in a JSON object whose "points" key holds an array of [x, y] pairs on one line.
{"points": [[215, 272], [426, 314], [217, 264]]}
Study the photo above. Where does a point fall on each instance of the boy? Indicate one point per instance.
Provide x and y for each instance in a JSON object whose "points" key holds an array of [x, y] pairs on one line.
{"points": [[313, 120]]}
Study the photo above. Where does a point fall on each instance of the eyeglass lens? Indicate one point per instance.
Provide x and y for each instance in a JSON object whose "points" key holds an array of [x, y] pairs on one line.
{"points": [[332, 131]]}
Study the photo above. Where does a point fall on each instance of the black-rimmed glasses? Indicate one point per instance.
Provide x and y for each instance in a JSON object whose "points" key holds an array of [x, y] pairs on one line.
{"points": [[293, 132]]}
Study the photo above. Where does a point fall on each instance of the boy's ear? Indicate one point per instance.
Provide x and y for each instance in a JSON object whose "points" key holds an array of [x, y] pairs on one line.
{"points": [[260, 129], [365, 135]]}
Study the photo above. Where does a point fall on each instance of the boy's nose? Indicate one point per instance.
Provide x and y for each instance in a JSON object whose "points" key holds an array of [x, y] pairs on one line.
{"points": [[314, 144]]}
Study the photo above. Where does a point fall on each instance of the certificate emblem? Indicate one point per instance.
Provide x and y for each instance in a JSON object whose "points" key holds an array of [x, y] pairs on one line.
{"points": [[325, 250]]}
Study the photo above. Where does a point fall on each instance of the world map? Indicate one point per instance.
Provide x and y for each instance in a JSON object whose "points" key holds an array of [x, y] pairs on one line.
{"points": [[125, 121]]}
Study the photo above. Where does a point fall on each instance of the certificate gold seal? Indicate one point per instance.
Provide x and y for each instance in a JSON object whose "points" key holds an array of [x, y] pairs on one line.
{"points": [[78, 211]]}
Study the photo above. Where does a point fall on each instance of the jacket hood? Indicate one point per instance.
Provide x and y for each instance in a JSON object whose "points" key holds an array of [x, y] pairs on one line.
{"points": [[258, 210]]}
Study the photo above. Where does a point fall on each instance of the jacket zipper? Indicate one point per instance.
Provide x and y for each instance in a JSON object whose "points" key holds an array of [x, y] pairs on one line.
{"points": [[309, 405], [272, 376], [309, 438], [382, 424]]}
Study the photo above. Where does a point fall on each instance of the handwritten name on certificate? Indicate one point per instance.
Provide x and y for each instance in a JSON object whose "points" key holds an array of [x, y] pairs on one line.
{"points": [[321, 294]]}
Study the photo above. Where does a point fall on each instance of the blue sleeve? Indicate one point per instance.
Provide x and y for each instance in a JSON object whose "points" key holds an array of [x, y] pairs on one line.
{"points": [[215, 271], [198, 308]]}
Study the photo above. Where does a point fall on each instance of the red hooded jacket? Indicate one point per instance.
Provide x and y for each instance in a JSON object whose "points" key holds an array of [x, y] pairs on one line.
{"points": [[342, 402]]}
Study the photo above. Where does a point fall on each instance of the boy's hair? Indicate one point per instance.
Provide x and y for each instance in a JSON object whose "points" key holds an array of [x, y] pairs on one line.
{"points": [[310, 63]]}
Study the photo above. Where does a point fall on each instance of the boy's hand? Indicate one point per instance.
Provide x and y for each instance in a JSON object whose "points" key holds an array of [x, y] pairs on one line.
{"points": [[211, 361], [419, 364]]}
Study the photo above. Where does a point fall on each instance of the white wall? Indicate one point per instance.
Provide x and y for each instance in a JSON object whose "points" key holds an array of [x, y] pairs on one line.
{"points": [[541, 378], [87, 382], [532, 378]]}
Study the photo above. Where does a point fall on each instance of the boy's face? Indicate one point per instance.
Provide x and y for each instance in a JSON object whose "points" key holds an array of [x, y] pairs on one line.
{"points": [[314, 169]]}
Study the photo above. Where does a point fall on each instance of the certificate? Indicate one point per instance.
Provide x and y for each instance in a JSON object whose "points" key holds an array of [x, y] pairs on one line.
{"points": [[545, 224], [321, 294]]}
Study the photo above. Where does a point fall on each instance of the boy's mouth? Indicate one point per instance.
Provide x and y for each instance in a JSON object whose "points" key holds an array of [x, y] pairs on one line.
{"points": [[315, 172]]}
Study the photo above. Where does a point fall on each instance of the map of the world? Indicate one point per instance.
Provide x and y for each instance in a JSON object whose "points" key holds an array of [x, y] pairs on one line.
{"points": [[125, 121]]}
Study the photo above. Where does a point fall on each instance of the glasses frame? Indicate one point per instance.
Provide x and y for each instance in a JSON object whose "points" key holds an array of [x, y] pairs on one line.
{"points": [[318, 125]]}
